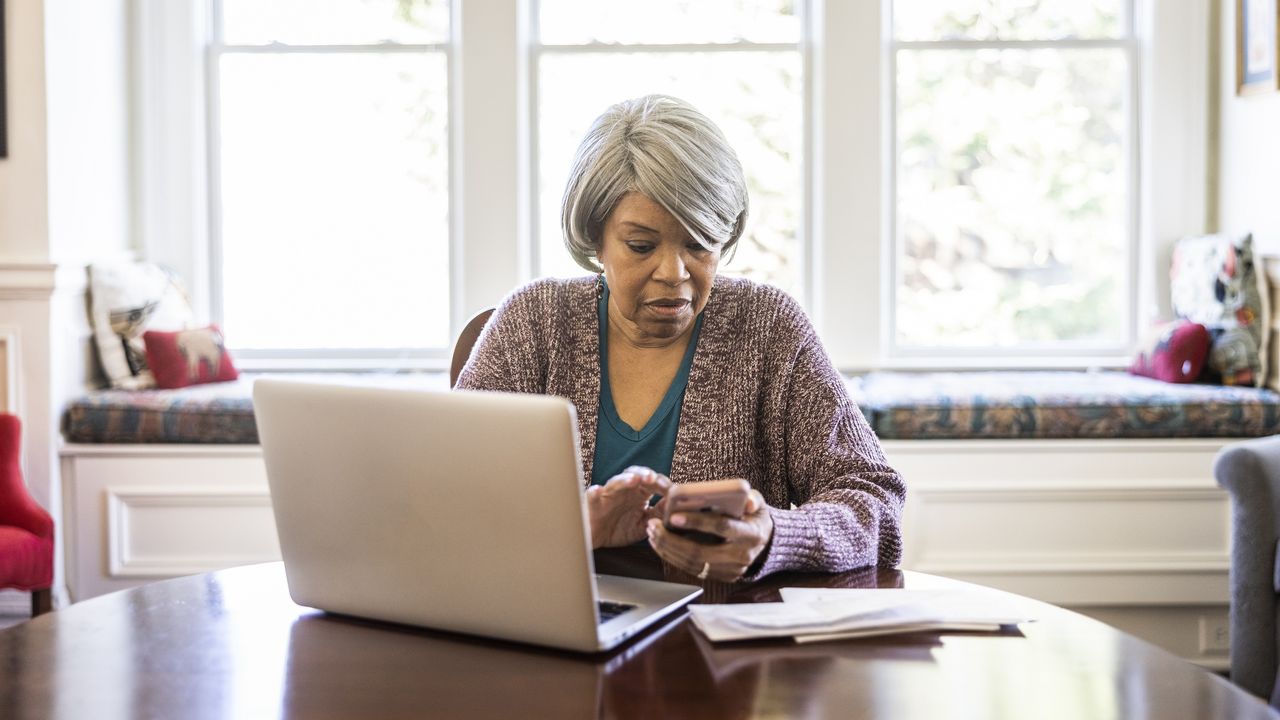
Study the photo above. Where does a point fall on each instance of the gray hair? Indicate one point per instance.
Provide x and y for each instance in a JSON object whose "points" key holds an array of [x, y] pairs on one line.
{"points": [[666, 150]]}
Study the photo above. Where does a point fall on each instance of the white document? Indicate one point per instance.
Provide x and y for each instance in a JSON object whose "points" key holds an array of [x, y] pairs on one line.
{"points": [[816, 614]]}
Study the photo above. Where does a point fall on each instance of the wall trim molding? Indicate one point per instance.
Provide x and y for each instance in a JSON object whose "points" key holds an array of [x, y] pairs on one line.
{"points": [[176, 450], [15, 603], [1010, 491], [1016, 446], [1117, 564], [39, 281], [27, 281], [121, 500]]}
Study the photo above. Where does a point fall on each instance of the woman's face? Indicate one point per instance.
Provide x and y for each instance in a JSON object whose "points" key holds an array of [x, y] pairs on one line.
{"points": [[659, 277]]}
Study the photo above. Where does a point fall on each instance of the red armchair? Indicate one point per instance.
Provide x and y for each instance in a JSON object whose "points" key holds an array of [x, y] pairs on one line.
{"points": [[26, 530]]}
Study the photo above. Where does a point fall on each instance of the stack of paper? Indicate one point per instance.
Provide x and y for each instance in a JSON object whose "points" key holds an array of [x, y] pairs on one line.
{"points": [[816, 614]]}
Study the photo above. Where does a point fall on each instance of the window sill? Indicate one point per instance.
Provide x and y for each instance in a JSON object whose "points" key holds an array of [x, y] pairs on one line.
{"points": [[408, 364], [952, 364]]}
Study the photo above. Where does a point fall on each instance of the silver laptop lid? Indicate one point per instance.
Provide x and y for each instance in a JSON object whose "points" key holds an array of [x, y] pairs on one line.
{"points": [[459, 511]]}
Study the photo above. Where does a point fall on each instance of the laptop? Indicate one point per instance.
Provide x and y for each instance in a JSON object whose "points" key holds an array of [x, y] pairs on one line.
{"points": [[460, 511]]}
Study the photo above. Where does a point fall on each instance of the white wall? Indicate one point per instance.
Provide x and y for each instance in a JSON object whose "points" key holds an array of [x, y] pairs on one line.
{"points": [[86, 89], [64, 200], [1248, 172], [24, 203]]}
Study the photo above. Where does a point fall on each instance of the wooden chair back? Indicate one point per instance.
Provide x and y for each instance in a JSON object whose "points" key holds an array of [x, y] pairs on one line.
{"points": [[466, 340]]}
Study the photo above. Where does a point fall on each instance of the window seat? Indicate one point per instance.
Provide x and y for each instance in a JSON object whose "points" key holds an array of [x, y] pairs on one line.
{"points": [[900, 406]]}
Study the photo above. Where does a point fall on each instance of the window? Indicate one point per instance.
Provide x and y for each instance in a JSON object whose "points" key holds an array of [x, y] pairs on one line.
{"points": [[1014, 209], [738, 61], [943, 183], [330, 172]]}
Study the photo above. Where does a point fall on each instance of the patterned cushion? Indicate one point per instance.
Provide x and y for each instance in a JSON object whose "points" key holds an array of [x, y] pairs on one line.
{"points": [[204, 414], [200, 414], [990, 405], [898, 406]]}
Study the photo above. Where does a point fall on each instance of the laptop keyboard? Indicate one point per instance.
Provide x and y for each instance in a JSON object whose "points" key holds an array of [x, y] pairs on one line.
{"points": [[611, 610]]}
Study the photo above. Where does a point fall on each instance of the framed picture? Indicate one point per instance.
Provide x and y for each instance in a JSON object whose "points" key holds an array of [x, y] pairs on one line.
{"points": [[1256, 53], [4, 128]]}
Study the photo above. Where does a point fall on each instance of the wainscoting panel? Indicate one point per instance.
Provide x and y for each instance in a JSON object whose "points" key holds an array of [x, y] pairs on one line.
{"points": [[140, 513], [1136, 529], [162, 532]]}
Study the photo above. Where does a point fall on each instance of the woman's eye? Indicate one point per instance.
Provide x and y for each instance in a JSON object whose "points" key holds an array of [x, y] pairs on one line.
{"points": [[697, 248], [641, 248]]}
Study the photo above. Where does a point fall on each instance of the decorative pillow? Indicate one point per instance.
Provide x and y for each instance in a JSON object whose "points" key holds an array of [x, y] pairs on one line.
{"points": [[1215, 282], [129, 298], [1174, 352], [188, 357]]}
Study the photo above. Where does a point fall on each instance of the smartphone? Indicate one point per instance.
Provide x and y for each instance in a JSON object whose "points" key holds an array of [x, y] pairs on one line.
{"points": [[723, 497]]}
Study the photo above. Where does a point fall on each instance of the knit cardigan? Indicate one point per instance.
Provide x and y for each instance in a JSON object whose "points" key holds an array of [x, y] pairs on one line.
{"points": [[763, 403]]}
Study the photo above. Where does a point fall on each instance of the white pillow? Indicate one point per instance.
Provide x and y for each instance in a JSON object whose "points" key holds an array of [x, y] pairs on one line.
{"points": [[129, 298]]}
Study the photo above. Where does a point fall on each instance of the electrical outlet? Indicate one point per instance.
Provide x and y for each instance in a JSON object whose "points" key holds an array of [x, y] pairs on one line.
{"points": [[1215, 635]]}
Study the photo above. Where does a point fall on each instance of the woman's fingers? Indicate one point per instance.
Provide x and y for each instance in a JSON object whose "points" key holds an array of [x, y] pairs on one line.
{"points": [[745, 538], [652, 481], [724, 562], [641, 481]]}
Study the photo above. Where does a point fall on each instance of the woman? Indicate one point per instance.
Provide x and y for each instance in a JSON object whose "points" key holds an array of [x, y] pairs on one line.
{"points": [[678, 372]]}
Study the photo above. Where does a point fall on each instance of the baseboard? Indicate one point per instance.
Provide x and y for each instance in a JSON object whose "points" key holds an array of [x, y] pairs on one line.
{"points": [[15, 602]]}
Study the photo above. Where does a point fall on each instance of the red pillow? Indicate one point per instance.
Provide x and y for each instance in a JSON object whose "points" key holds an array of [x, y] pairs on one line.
{"points": [[1175, 352], [188, 357]]}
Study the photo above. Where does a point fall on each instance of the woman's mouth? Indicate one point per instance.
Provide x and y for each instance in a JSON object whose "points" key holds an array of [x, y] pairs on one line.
{"points": [[668, 307]]}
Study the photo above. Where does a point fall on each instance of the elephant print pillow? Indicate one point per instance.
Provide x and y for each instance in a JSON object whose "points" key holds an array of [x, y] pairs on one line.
{"points": [[188, 357]]}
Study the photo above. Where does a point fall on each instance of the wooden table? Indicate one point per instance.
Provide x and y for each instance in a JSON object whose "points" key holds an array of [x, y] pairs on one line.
{"points": [[231, 644]]}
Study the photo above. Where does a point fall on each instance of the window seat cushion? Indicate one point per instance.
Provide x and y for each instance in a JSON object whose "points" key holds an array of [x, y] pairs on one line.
{"points": [[899, 405], [1060, 404], [200, 414]]}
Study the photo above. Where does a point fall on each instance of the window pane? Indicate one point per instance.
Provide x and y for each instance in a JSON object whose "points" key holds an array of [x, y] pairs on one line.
{"points": [[334, 22], [571, 22], [334, 200], [1007, 19], [1012, 197], [755, 98]]}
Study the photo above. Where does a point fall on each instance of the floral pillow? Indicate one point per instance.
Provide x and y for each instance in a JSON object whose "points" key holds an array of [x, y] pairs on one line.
{"points": [[1215, 282]]}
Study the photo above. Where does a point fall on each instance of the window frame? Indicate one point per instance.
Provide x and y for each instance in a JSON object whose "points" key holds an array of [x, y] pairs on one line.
{"points": [[1107, 354], [352, 358], [848, 241]]}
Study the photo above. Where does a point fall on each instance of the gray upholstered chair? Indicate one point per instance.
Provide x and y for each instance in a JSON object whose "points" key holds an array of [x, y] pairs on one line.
{"points": [[1250, 471]]}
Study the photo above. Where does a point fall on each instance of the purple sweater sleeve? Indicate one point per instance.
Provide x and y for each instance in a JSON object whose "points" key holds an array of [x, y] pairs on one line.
{"points": [[848, 499]]}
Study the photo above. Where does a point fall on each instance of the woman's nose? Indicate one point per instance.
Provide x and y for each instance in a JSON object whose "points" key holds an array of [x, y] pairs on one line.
{"points": [[671, 268]]}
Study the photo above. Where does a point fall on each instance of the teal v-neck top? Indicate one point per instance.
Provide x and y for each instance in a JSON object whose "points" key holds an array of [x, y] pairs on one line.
{"points": [[618, 445]]}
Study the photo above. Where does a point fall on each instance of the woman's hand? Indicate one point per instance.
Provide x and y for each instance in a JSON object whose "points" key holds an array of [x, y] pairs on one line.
{"points": [[745, 539], [619, 509]]}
